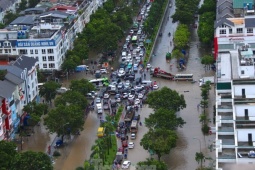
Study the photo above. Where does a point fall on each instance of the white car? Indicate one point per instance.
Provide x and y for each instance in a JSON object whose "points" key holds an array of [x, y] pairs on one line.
{"points": [[62, 90], [103, 71], [126, 165], [138, 49], [131, 145], [137, 101], [155, 87], [118, 100], [140, 96], [148, 65], [121, 70], [129, 57], [139, 32], [124, 95], [98, 100], [106, 96], [131, 32], [131, 97], [138, 87]]}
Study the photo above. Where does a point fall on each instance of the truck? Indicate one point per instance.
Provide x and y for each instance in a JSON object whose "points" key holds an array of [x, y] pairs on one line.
{"points": [[157, 72], [129, 115], [119, 157], [82, 68], [134, 126], [205, 79]]}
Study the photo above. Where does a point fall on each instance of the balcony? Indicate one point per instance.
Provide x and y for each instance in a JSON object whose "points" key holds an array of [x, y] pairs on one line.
{"points": [[225, 108], [226, 130], [227, 155], [246, 145], [245, 125], [243, 157]]}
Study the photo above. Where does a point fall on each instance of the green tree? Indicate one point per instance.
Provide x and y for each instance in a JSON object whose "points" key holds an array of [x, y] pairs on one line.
{"points": [[35, 110], [8, 152], [164, 119], [160, 141], [33, 3], [73, 98], [83, 86], [23, 5], [69, 64], [206, 27], [2, 26], [9, 17], [166, 98], [207, 60], [65, 120], [199, 157], [48, 90], [80, 49], [181, 36], [176, 53], [160, 165], [31, 160], [41, 78]]}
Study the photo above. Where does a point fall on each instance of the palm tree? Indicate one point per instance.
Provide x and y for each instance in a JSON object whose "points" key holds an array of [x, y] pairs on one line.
{"points": [[199, 158]]}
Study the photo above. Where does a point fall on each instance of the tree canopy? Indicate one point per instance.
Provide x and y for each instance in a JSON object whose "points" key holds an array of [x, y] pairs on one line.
{"points": [[164, 119], [181, 36], [160, 141], [7, 152], [65, 120], [35, 110], [166, 98], [31, 160], [48, 90], [160, 165], [83, 86], [72, 98]]}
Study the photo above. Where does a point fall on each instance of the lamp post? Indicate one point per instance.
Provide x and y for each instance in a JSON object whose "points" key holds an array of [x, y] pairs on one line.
{"points": [[199, 143]]}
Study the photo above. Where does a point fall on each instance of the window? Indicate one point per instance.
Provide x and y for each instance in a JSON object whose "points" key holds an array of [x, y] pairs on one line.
{"points": [[242, 71], [36, 51], [7, 44], [223, 31], [50, 58], [50, 51], [10, 51], [14, 49], [44, 58], [230, 30], [51, 65], [23, 51], [31, 51], [6, 51], [239, 30], [43, 51], [1, 51], [44, 65], [249, 30]]}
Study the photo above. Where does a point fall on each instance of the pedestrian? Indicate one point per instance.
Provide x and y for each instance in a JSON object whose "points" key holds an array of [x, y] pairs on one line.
{"points": [[198, 105], [140, 123]]}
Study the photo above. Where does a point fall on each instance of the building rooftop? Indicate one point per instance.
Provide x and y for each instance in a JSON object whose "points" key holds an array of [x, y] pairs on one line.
{"points": [[6, 88], [24, 20], [12, 69], [4, 4], [13, 78], [24, 62], [224, 67]]}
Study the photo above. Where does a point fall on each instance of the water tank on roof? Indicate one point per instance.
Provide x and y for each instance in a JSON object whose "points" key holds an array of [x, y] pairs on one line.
{"points": [[24, 28], [19, 35], [250, 6], [245, 5]]}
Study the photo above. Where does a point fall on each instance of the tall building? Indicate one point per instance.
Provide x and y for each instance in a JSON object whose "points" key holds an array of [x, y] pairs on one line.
{"points": [[234, 45]]}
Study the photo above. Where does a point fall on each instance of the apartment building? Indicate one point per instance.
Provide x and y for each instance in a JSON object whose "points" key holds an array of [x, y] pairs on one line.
{"points": [[234, 45]]}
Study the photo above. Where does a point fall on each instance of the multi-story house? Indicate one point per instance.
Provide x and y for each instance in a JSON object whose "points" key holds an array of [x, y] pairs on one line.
{"points": [[11, 92]]}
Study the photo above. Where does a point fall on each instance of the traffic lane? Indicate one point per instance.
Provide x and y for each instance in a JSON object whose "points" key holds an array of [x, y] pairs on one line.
{"points": [[138, 154]]}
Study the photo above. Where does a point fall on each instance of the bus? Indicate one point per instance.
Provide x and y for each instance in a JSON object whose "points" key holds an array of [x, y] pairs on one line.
{"points": [[134, 126], [100, 82], [134, 39], [186, 77]]}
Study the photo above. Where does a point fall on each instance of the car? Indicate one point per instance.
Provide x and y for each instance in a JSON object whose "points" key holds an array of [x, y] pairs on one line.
{"points": [[118, 100], [93, 93], [131, 145], [120, 85], [123, 58], [106, 106], [124, 143], [125, 46], [138, 49], [135, 64], [131, 32], [113, 103], [155, 87], [124, 95], [129, 57], [137, 101], [139, 32], [128, 38], [103, 71], [133, 136], [129, 66], [62, 90], [141, 44], [141, 53], [90, 96], [139, 87], [106, 96], [120, 149], [131, 97], [138, 80], [121, 124], [148, 65], [140, 96], [98, 100], [121, 74], [126, 164], [135, 68]]}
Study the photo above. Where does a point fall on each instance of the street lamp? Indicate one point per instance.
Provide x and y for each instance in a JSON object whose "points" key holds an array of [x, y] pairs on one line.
{"points": [[199, 143]]}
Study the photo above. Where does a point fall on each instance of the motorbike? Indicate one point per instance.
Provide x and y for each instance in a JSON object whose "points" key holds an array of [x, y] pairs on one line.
{"points": [[169, 34]]}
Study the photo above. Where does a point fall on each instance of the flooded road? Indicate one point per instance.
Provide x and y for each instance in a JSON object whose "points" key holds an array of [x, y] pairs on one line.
{"points": [[183, 156]]}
